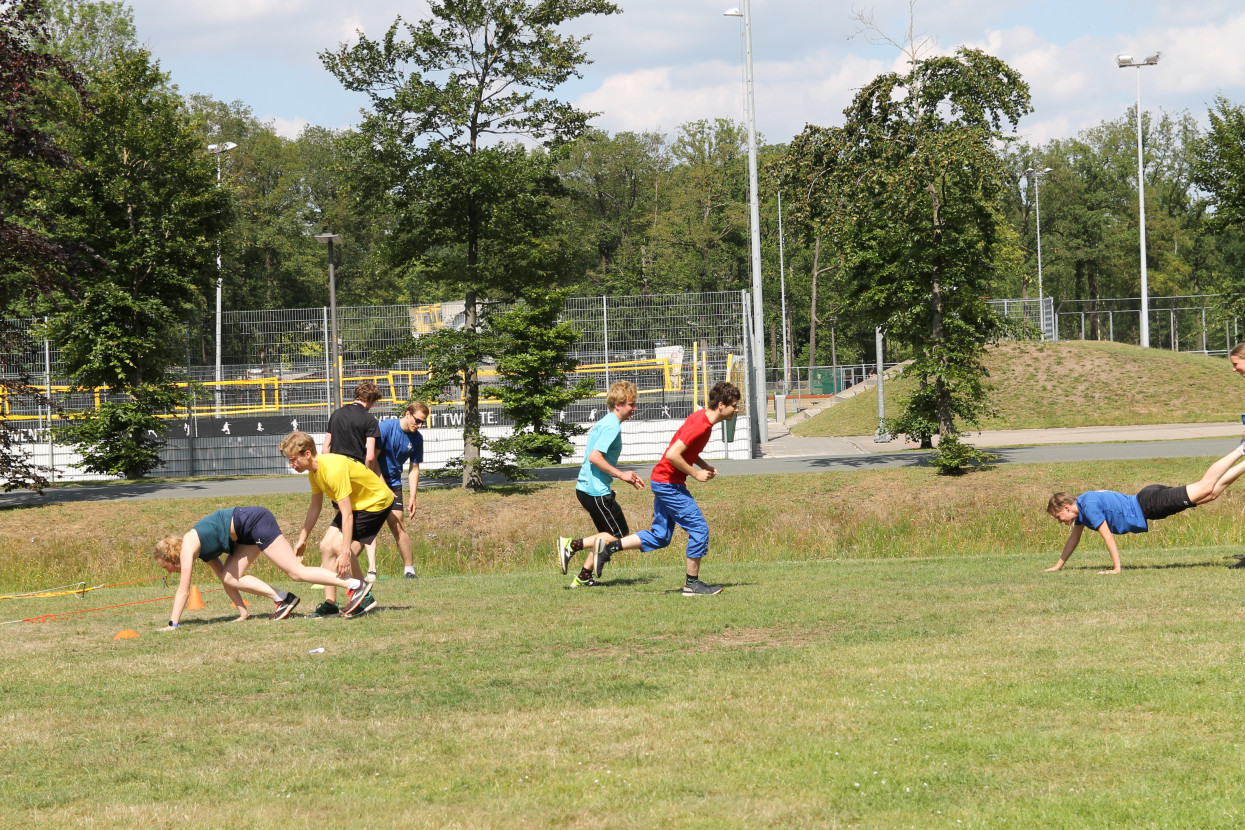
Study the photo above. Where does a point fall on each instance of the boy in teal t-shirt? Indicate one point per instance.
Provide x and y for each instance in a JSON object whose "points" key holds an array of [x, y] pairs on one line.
{"points": [[592, 488]]}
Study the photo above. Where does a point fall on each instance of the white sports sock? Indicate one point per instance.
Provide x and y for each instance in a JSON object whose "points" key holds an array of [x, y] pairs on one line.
{"points": [[410, 569], [281, 595], [355, 584]]}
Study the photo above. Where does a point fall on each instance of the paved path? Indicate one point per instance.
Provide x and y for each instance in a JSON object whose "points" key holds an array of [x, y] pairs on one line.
{"points": [[784, 453]]}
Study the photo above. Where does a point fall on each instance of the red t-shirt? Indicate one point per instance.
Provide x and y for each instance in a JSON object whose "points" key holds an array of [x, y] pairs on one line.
{"points": [[695, 435]]}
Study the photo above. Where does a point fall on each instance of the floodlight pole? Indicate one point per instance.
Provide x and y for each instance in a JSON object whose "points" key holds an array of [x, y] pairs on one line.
{"points": [[1127, 62], [1037, 205], [754, 227], [329, 239], [219, 150]]}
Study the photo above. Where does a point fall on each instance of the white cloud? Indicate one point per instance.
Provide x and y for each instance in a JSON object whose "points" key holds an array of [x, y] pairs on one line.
{"points": [[286, 127]]}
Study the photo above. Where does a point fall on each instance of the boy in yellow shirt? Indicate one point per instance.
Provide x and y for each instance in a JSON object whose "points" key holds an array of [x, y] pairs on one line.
{"points": [[363, 505]]}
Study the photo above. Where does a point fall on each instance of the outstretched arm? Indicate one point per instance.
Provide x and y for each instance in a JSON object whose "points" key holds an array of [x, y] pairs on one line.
{"points": [[190, 551], [1074, 539], [1109, 539]]}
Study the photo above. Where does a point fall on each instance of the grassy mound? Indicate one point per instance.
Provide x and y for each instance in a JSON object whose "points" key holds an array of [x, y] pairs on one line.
{"points": [[1073, 384]]}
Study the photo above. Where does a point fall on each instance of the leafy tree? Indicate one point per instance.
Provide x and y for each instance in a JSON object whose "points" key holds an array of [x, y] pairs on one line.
{"points": [[918, 189], [35, 256], [440, 89], [535, 364], [146, 200], [91, 33]]}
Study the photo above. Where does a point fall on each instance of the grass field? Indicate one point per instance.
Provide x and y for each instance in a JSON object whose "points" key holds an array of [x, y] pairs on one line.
{"points": [[1072, 384], [886, 653], [942, 692]]}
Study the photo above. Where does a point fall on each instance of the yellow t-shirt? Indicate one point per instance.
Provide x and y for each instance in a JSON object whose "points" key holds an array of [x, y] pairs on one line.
{"points": [[339, 477]]}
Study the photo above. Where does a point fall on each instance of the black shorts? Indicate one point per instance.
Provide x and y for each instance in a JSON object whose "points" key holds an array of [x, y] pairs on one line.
{"points": [[606, 515], [397, 498], [1159, 501], [367, 523], [255, 526]]}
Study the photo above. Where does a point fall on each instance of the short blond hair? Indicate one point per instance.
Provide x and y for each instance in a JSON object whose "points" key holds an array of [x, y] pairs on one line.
{"points": [[623, 391], [169, 550], [1057, 502], [296, 443], [417, 406]]}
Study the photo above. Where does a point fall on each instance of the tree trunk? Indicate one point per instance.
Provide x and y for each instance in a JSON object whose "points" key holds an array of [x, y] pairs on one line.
{"points": [[812, 309], [942, 395]]}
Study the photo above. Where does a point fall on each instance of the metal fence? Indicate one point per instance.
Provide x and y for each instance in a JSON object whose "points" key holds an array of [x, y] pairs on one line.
{"points": [[1189, 323], [276, 374]]}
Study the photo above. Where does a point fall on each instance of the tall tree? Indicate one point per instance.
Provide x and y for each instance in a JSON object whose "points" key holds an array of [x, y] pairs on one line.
{"points": [[441, 90], [91, 33], [146, 201], [918, 219], [35, 256]]}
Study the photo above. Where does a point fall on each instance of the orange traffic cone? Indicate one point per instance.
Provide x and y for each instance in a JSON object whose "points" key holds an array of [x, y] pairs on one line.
{"points": [[196, 599], [127, 634]]}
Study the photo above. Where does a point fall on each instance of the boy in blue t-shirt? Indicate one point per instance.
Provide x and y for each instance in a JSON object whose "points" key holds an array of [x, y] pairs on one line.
{"points": [[592, 488], [400, 441], [1112, 513]]}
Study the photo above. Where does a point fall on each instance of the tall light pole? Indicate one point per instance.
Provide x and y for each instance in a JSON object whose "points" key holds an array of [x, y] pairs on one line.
{"points": [[1127, 62], [329, 239], [782, 293], [754, 227], [219, 150], [1034, 175]]}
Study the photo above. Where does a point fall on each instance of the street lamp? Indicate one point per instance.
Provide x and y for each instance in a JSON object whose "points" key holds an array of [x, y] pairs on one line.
{"points": [[754, 227], [1127, 62], [329, 239], [219, 150], [1033, 176]]}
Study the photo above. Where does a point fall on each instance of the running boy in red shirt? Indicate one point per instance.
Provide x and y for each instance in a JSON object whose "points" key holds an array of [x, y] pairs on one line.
{"points": [[672, 503]]}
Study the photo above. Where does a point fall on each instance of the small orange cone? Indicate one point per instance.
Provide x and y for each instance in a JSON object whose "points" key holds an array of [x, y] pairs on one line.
{"points": [[195, 602], [128, 634]]}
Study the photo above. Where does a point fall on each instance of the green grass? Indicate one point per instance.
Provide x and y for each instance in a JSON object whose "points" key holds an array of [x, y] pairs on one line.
{"points": [[1071, 384], [887, 653], [850, 514], [957, 691]]}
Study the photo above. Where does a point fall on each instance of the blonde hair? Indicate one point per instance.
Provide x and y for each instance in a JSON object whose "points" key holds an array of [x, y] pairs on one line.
{"points": [[417, 406], [1238, 350], [296, 443], [1057, 502], [623, 391], [169, 550]]}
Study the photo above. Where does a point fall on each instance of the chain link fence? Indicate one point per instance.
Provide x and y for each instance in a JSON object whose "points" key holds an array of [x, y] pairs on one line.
{"points": [[276, 374]]}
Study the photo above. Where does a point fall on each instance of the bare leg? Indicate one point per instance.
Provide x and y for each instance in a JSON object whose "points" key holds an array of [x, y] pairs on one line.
{"points": [[328, 559], [236, 581], [282, 555], [589, 544], [398, 527], [371, 555], [1211, 484]]}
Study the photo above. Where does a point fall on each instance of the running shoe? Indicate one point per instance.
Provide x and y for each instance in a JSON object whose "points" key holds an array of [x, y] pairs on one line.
{"points": [[601, 555], [367, 604], [583, 583], [285, 606], [565, 554], [325, 609], [356, 599], [700, 589]]}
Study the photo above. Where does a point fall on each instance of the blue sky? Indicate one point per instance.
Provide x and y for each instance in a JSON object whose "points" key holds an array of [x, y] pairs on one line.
{"points": [[664, 62]]}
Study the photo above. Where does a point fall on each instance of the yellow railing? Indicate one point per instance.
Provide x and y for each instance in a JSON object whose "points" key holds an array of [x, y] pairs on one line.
{"points": [[269, 395]]}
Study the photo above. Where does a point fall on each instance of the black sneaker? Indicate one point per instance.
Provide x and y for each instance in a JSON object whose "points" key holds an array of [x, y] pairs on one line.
{"points": [[409, 575], [285, 606], [700, 589], [565, 554], [325, 609], [368, 603], [356, 599], [601, 555]]}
